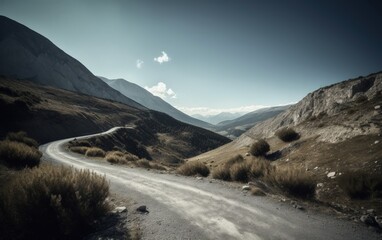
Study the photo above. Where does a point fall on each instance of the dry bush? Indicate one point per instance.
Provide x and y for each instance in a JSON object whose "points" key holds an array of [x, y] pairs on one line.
{"points": [[80, 150], [361, 185], [143, 163], [222, 172], [115, 157], [258, 167], [18, 155], [259, 148], [22, 137], [239, 172], [287, 134], [131, 157], [193, 168], [293, 181], [95, 152], [157, 166], [52, 203]]}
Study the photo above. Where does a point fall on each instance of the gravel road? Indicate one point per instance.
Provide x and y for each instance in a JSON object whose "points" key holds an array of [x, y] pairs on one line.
{"points": [[190, 208]]}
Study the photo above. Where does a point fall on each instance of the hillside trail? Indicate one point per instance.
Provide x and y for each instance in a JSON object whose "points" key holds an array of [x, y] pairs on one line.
{"points": [[194, 208]]}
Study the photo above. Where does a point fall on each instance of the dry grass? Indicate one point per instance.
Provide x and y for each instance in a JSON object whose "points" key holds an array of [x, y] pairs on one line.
{"points": [[258, 167], [287, 134], [18, 155], [95, 152], [131, 157], [361, 185], [22, 137], [291, 180], [52, 203], [239, 172], [144, 163], [193, 168], [116, 157], [222, 172], [78, 149], [259, 148]]}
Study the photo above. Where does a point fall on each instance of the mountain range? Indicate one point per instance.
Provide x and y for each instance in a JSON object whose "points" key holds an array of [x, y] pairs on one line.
{"points": [[147, 99]]}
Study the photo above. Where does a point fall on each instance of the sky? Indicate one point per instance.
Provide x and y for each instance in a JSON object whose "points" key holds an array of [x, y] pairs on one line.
{"points": [[210, 56]]}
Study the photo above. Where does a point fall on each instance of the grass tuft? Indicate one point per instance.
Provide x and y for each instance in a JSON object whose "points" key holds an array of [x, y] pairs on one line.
{"points": [[95, 152], [222, 172], [293, 181], [361, 185], [239, 172], [52, 203], [193, 168], [287, 134], [259, 148], [18, 155], [22, 137], [80, 150]]}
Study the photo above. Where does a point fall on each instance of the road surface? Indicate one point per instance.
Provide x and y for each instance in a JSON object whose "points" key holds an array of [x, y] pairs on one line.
{"points": [[189, 208]]}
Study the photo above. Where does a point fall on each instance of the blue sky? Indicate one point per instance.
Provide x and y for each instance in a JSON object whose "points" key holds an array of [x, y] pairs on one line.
{"points": [[209, 56]]}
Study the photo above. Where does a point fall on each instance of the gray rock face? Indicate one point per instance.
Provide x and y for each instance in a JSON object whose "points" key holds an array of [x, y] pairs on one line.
{"points": [[26, 55], [328, 101], [144, 97]]}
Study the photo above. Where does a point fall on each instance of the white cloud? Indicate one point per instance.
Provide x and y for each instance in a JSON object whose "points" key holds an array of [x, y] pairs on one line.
{"points": [[139, 63], [205, 111], [161, 91], [163, 58]]}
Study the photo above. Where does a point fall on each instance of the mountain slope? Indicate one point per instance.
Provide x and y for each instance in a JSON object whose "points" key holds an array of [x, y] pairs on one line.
{"points": [[234, 128], [48, 114], [150, 101], [27, 55], [339, 148], [215, 119]]}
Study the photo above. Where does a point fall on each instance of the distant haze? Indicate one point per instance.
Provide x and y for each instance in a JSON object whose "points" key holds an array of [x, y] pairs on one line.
{"points": [[214, 55]]}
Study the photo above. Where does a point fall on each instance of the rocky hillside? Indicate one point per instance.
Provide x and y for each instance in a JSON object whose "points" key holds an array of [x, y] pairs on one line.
{"points": [[26, 55], [335, 113], [145, 98], [48, 114]]}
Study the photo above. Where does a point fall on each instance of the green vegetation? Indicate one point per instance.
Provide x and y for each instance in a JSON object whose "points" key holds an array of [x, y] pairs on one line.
{"points": [[259, 148], [361, 185], [193, 168], [52, 203], [95, 152], [287, 134], [18, 155]]}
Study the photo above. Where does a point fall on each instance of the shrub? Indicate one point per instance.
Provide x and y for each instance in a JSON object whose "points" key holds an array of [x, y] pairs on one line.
{"points": [[22, 137], [287, 134], [257, 191], [239, 172], [143, 163], [360, 185], [222, 172], [115, 157], [259, 148], [258, 167], [52, 203], [293, 181], [131, 157], [193, 168], [80, 150], [18, 155], [95, 152]]}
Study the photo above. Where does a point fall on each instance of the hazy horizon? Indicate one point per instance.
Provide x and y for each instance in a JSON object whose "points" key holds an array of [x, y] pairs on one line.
{"points": [[209, 56]]}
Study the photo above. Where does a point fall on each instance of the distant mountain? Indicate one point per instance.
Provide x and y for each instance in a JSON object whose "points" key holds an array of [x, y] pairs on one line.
{"points": [[215, 119], [234, 128], [27, 55], [150, 101]]}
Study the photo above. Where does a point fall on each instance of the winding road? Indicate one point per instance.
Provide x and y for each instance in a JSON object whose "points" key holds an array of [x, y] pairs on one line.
{"points": [[190, 208]]}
